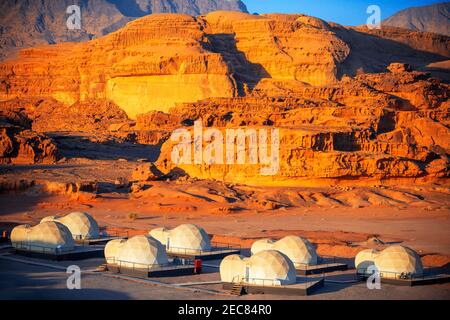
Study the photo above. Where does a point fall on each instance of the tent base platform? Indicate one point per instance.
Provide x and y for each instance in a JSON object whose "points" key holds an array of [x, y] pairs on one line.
{"points": [[99, 241], [79, 253], [321, 268], [165, 271], [298, 289], [427, 280], [207, 255]]}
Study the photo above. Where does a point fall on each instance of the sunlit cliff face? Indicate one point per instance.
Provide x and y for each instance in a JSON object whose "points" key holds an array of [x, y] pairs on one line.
{"points": [[160, 60]]}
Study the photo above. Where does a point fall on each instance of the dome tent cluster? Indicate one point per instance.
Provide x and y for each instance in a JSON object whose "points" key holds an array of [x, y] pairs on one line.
{"points": [[295, 252], [267, 267], [186, 238], [81, 225], [55, 234], [46, 237], [138, 252], [148, 251], [395, 261], [272, 262]]}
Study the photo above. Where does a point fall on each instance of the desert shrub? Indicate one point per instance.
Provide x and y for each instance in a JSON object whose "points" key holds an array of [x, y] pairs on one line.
{"points": [[133, 216]]}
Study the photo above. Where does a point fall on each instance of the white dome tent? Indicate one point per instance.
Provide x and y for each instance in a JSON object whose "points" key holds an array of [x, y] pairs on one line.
{"points": [[398, 261], [186, 238], [299, 250], [81, 225], [394, 262], [364, 259], [139, 252], [267, 268], [46, 237]]}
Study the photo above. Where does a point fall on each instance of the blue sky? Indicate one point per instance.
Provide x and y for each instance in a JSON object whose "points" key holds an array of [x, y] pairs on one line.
{"points": [[346, 12]]}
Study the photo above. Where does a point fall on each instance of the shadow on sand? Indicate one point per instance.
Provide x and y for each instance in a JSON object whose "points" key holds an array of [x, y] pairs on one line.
{"points": [[25, 282]]}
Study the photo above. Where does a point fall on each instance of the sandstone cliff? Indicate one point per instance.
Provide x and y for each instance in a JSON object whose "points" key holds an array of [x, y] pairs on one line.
{"points": [[149, 65], [274, 46]]}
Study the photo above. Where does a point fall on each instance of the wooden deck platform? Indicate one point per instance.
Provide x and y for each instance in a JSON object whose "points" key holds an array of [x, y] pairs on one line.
{"points": [[99, 241], [206, 255], [164, 271], [419, 281], [321, 268], [298, 289], [79, 253]]}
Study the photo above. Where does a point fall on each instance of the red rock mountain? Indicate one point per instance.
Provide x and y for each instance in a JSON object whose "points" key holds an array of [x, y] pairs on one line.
{"points": [[348, 102], [163, 59], [28, 23]]}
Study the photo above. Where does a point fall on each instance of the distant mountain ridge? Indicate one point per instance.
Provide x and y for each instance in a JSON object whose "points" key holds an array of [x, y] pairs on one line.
{"points": [[29, 23], [432, 18]]}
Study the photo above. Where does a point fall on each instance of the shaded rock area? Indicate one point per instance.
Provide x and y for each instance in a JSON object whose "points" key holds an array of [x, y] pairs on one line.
{"points": [[430, 18], [146, 172], [20, 145]]}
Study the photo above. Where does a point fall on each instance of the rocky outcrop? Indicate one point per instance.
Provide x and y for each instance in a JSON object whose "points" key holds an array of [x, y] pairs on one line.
{"points": [[145, 172], [47, 115], [26, 147], [399, 67], [19, 144], [375, 127]]}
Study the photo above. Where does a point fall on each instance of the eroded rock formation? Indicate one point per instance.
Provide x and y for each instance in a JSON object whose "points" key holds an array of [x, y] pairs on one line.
{"points": [[20, 146]]}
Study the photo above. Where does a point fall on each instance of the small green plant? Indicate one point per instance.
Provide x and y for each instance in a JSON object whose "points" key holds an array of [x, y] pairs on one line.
{"points": [[133, 216]]}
